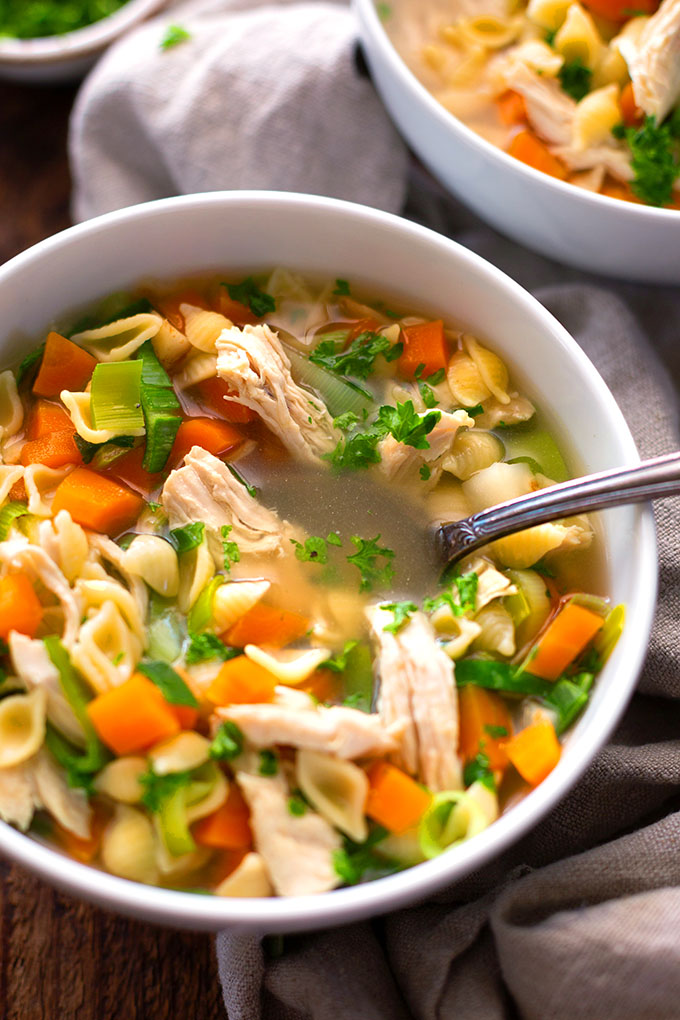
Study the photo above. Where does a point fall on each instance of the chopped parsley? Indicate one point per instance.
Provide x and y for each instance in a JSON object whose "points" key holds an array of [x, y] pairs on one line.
{"points": [[478, 770], [357, 862], [384, 11], [402, 612], [407, 426], [88, 450], [269, 763], [333, 538], [159, 789], [206, 646], [314, 550], [496, 731], [171, 685], [575, 79], [342, 288], [296, 805], [227, 743], [250, 489], [338, 663], [355, 452], [474, 411], [359, 449], [425, 472], [367, 561], [188, 537], [655, 159], [461, 599], [346, 422], [248, 293], [174, 35], [230, 549], [359, 358], [425, 386]]}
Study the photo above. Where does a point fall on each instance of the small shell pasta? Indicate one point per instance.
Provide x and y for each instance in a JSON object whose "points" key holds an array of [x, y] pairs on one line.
{"points": [[464, 632], [249, 879], [196, 569], [472, 451], [69, 807], [120, 339], [106, 651], [119, 780], [290, 668], [169, 344], [529, 546], [155, 561], [212, 801], [41, 483], [496, 484], [497, 630], [95, 593], [492, 370], [203, 327], [186, 751], [22, 726], [465, 380], [336, 789], [196, 369], [17, 795], [578, 38], [548, 14], [129, 846], [11, 408], [489, 31], [595, 116], [66, 543], [233, 599]]}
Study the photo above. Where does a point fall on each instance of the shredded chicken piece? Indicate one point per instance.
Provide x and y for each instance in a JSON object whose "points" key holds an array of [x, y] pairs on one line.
{"points": [[70, 807], [417, 682], [254, 363], [19, 552], [654, 65], [399, 461], [607, 158], [297, 849], [205, 490], [343, 732], [34, 667], [549, 109]]}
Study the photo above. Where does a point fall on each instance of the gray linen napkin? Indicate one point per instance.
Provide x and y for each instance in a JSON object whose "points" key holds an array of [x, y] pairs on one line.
{"points": [[581, 919]]}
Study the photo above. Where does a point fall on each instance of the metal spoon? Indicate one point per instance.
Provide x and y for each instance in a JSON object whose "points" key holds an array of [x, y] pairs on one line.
{"points": [[651, 479]]}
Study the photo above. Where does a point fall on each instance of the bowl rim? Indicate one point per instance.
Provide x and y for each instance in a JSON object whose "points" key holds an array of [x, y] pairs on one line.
{"points": [[181, 909], [448, 121], [81, 41]]}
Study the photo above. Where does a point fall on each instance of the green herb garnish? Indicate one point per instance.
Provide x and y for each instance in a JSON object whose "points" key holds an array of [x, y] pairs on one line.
{"points": [[314, 550], [174, 35], [269, 763], [342, 288], [187, 538], [359, 358], [250, 489], [248, 293], [206, 646], [655, 158], [230, 550], [367, 561], [227, 743], [171, 685], [478, 770], [159, 789], [402, 612], [575, 79]]}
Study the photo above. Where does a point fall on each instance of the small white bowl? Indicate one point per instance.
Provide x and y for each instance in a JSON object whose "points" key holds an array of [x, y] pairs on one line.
{"points": [[592, 232], [255, 231], [67, 57]]}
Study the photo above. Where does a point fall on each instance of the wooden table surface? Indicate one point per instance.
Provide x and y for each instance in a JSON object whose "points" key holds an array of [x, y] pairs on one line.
{"points": [[61, 959]]}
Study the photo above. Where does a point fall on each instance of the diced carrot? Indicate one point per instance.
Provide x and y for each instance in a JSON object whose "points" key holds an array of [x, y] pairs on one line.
{"points": [[528, 148], [241, 681], [620, 10], [186, 716], [239, 313], [323, 684], [132, 716], [225, 864], [213, 395], [534, 751], [485, 726], [565, 637], [97, 502], [18, 494], [361, 326], [54, 451], [424, 344], [631, 113], [228, 828], [617, 189], [511, 108], [169, 306], [46, 417], [394, 799], [130, 469], [64, 366], [264, 625], [20, 607], [209, 433]]}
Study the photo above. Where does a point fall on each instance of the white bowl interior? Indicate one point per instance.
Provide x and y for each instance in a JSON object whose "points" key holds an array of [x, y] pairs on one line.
{"points": [[229, 232]]}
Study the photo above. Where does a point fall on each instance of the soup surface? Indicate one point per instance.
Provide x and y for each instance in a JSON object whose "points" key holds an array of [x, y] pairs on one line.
{"points": [[230, 663], [587, 93]]}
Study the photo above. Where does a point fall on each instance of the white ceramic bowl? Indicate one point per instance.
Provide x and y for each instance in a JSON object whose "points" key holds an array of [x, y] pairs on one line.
{"points": [[67, 57], [237, 231], [589, 231]]}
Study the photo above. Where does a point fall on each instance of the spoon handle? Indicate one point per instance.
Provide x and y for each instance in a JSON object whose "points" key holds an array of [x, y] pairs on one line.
{"points": [[648, 480]]}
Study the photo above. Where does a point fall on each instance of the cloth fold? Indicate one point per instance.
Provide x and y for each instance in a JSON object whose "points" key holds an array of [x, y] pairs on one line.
{"points": [[580, 920]]}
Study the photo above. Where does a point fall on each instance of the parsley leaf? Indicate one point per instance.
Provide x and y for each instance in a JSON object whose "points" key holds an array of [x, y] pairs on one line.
{"points": [[355, 452], [206, 646], [338, 663], [269, 763], [402, 612], [461, 601], [346, 422], [359, 358], [171, 685], [575, 79], [405, 424], [248, 293], [425, 472], [478, 770], [342, 288], [474, 411], [366, 560], [333, 538], [313, 551], [230, 549], [188, 537], [227, 743], [158, 789], [496, 731], [655, 158], [357, 862], [174, 35], [297, 806]]}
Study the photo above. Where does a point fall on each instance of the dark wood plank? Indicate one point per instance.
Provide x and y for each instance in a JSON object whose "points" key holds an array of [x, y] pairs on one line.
{"points": [[61, 959]]}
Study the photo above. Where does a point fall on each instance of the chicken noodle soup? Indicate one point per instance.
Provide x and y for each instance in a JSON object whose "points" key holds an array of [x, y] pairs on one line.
{"points": [[587, 93], [229, 663]]}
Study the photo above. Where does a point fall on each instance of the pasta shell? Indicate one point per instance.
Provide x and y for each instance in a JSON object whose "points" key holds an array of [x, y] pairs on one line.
{"points": [[548, 13], [196, 369], [22, 726], [169, 344], [17, 795], [249, 879], [472, 451], [447, 502], [336, 789], [9, 474], [106, 651], [465, 380], [129, 846], [196, 569], [491, 584], [188, 750], [492, 370], [120, 779], [155, 561], [71, 545], [78, 407], [69, 807], [41, 483], [496, 484], [214, 800], [497, 630], [489, 31], [95, 593], [578, 37], [289, 667], [11, 408], [529, 546], [118, 340], [595, 116], [233, 600], [203, 327], [463, 632]]}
